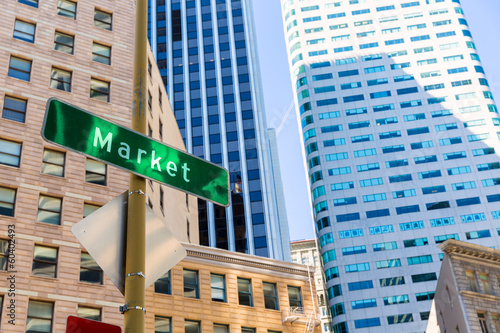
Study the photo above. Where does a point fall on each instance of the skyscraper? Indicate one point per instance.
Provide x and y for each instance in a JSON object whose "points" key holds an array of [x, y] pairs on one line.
{"points": [[207, 57], [402, 146]]}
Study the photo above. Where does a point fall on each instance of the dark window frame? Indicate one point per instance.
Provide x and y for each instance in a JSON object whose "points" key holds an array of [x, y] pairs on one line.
{"points": [[243, 294], [20, 33], [90, 269], [44, 262], [14, 70], [272, 298], [100, 22], [66, 12]]}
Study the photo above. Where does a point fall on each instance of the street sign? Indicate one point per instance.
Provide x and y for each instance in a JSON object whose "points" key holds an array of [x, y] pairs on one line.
{"points": [[82, 325], [102, 234], [81, 131]]}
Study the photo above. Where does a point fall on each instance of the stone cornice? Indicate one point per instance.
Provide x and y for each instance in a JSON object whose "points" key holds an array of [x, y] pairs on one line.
{"points": [[452, 246], [246, 261], [487, 297]]}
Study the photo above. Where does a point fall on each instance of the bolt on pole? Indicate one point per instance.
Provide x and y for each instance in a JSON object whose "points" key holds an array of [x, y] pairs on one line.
{"points": [[135, 257]]}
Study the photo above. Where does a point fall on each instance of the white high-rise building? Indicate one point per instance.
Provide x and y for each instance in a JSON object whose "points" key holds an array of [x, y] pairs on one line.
{"points": [[401, 139]]}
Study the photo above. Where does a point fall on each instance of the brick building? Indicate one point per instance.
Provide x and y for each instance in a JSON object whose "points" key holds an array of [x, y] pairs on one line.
{"points": [[81, 53]]}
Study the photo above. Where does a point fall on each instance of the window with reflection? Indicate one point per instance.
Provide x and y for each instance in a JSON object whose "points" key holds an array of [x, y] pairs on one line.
{"points": [[245, 292], [39, 316], [53, 162], [162, 324], [191, 283], [95, 172], [270, 296], [294, 297], [218, 286], [44, 261], [49, 210], [90, 271], [162, 285], [89, 313]]}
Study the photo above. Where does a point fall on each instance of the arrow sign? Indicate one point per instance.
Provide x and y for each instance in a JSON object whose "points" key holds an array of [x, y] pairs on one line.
{"points": [[81, 131]]}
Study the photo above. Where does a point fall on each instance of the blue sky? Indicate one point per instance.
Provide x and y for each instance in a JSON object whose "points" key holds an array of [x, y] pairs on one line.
{"points": [[483, 17]]}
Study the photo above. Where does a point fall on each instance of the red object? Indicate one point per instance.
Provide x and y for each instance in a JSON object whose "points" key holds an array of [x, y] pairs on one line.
{"points": [[82, 325]]}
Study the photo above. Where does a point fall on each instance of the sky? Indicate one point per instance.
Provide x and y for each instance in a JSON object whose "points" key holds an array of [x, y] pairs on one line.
{"points": [[483, 17]]}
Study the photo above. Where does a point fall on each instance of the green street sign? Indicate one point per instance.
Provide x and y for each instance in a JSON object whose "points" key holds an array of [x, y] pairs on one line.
{"points": [[83, 132]]}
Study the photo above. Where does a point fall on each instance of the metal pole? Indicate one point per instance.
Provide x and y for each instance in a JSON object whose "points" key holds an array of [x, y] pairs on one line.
{"points": [[135, 259]]}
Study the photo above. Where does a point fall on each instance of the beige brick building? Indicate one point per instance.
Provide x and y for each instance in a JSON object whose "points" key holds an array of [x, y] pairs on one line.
{"points": [[82, 53], [468, 290], [306, 252], [234, 292]]}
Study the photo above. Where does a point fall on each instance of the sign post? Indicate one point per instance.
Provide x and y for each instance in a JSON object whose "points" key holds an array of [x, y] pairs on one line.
{"points": [[134, 309]]}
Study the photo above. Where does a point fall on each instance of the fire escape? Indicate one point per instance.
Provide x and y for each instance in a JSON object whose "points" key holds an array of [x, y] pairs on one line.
{"points": [[298, 315]]}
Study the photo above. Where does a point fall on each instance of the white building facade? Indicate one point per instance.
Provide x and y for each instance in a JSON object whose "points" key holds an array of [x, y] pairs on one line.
{"points": [[306, 252], [401, 139]]}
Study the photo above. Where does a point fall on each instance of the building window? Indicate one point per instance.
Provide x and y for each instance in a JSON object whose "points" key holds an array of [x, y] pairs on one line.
{"points": [[49, 210], [89, 209], [162, 285], [24, 31], [19, 68], [162, 204], [102, 19], [218, 328], [270, 296], [14, 109], [99, 90], [89, 269], [53, 162], [245, 292], [44, 261], [191, 326], [471, 280], [32, 3], [191, 284], [482, 322], [66, 8], [64, 42], [39, 316], [160, 99], [496, 321], [10, 153], [150, 102], [294, 297], [89, 313], [162, 324], [101, 53], [4, 254], [60, 79], [247, 330], [218, 285], [485, 283], [7, 201], [399, 319], [95, 172]]}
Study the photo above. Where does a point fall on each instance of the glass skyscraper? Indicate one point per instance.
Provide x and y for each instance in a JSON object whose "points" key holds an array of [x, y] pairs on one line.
{"points": [[401, 137], [206, 54]]}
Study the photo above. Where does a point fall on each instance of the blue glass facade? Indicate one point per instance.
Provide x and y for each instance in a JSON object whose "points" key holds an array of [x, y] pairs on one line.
{"points": [[202, 52]]}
